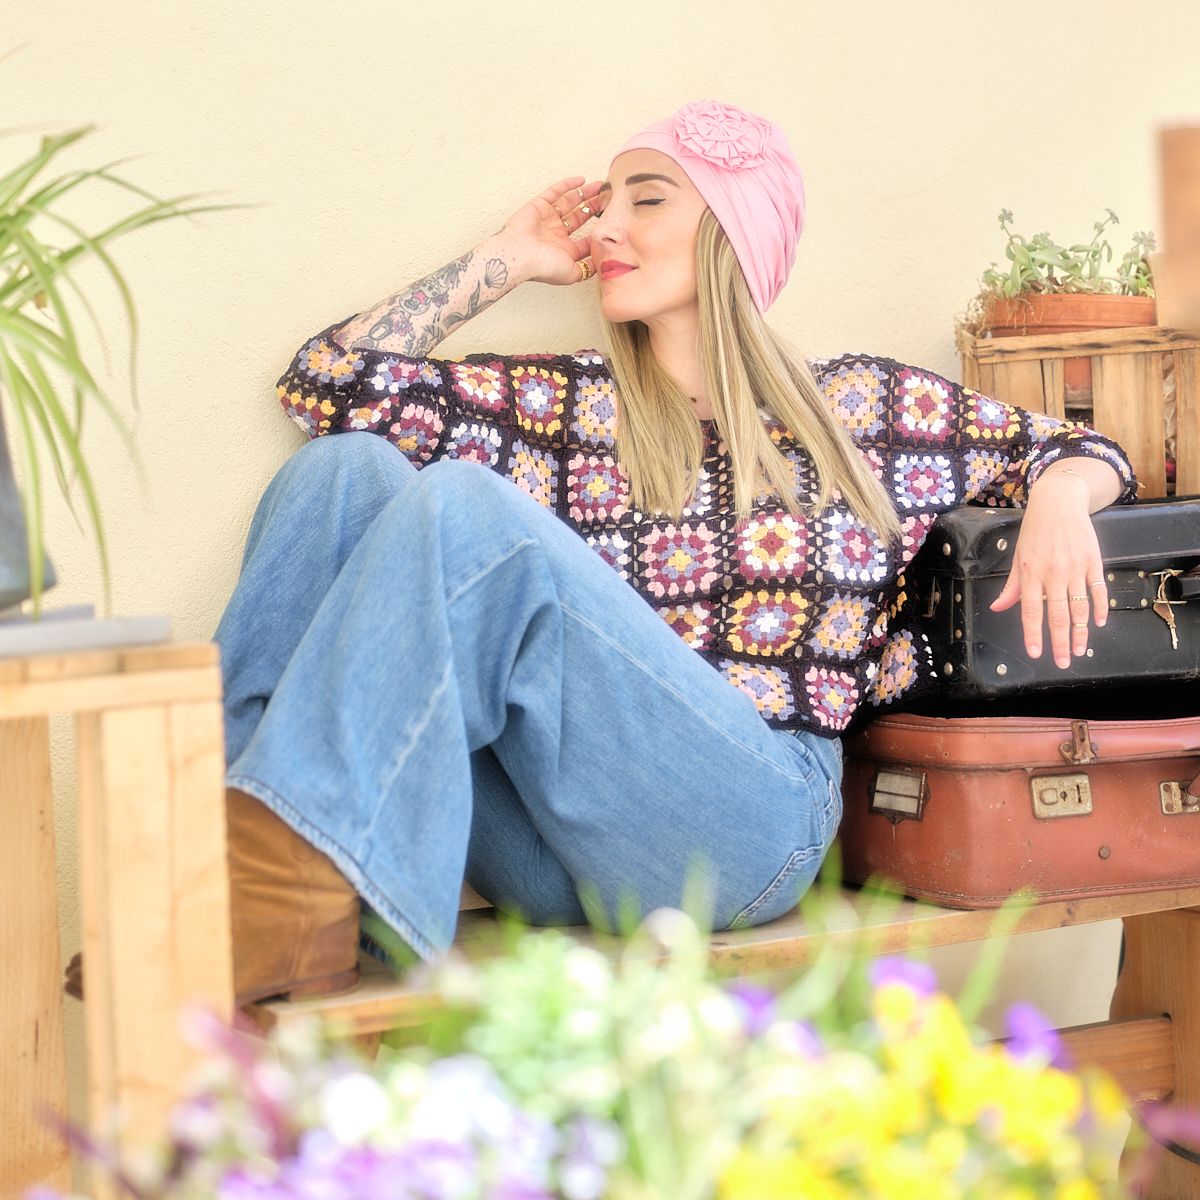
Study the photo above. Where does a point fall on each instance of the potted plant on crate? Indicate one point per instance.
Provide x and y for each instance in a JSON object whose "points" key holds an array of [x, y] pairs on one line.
{"points": [[40, 353], [1052, 288]]}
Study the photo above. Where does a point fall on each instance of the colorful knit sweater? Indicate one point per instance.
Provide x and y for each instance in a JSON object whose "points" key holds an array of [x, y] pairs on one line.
{"points": [[809, 616]]}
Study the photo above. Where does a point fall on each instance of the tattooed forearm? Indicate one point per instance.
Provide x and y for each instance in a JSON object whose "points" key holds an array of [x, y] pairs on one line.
{"points": [[413, 321]]}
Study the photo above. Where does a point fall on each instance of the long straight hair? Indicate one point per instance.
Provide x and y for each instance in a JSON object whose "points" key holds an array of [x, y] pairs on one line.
{"points": [[748, 370]]}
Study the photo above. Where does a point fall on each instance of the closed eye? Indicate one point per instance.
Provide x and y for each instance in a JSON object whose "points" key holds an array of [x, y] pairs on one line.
{"points": [[637, 202]]}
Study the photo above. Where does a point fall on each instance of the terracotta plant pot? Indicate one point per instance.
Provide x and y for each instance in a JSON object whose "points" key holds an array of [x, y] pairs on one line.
{"points": [[1071, 312]]}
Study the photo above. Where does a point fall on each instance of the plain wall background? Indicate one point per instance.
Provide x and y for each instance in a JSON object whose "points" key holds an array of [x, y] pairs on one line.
{"points": [[379, 140]]}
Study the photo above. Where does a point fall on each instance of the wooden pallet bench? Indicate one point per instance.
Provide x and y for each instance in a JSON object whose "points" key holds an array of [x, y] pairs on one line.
{"points": [[156, 930], [1140, 1052]]}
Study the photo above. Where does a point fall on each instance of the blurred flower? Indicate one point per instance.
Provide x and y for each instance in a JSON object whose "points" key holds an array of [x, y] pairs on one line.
{"points": [[554, 1074], [1033, 1037]]}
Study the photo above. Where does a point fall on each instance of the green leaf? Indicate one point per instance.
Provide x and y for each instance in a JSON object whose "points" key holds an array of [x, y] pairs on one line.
{"points": [[24, 392]]}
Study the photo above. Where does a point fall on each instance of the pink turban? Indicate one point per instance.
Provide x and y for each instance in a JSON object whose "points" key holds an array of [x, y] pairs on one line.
{"points": [[741, 164]]}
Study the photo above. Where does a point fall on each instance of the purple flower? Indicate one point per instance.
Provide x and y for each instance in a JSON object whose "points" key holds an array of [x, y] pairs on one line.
{"points": [[244, 1183], [1032, 1036], [918, 977], [757, 1005], [806, 1040]]}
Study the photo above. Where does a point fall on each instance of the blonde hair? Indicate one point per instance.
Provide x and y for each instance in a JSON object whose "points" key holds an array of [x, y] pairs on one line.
{"points": [[746, 365]]}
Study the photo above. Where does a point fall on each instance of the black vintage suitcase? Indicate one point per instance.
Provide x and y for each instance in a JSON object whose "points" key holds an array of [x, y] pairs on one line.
{"points": [[1151, 555]]}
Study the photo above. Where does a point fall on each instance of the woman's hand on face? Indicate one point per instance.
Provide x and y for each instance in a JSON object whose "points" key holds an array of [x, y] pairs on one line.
{"points": [[1057, 560], [542, 230]]}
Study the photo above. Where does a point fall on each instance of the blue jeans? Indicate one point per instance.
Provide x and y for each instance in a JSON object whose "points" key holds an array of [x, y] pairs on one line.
{"points": [[431, 677]]}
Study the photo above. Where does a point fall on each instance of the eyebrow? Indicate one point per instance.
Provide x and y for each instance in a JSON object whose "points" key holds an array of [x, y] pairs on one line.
{"points": [[606, 186]]}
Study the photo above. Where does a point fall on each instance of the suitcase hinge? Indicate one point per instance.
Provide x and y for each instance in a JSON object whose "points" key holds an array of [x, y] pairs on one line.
{"points": [[1175, 798], [1080, 749], [1060, 796], [898, 793]]}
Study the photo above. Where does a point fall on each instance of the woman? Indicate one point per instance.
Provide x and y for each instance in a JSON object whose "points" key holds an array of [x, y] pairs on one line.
{"points": [[434, 675]]}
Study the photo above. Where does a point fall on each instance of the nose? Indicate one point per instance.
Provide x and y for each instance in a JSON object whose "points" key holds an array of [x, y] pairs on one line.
{"points": [[607, 226]]}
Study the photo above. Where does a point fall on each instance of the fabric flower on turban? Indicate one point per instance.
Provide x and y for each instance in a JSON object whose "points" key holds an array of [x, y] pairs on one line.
{"points": [[727, 137]]}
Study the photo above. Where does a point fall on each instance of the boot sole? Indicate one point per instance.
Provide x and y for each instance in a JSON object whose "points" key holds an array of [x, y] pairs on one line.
{"points": [[336, 984]]}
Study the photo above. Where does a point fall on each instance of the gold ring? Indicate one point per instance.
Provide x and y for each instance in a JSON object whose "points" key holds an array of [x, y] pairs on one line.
{"points": [[1079, 624], [586, 269], [1076, 597], [583, 208], [565, 225], [1096, 583], [581, 195]]}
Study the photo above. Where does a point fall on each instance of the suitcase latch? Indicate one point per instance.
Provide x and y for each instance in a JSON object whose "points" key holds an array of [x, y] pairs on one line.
{"points": [[934, 599], [1061, 796], [1080, 750], [1177, 799], [898, 793]]}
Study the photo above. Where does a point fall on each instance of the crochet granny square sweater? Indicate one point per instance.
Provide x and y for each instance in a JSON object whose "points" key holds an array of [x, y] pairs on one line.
{"points": [[809, 615]]}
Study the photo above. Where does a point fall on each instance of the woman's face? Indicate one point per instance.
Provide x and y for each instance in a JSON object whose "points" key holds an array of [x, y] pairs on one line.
{"points": [[650, 222]]}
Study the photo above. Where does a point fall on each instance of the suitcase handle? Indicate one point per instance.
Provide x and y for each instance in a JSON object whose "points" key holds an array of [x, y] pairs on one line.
{"points": [[1183, 587]]}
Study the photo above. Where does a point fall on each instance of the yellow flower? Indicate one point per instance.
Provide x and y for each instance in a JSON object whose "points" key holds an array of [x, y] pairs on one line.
{"points": [[945, 1148], [1077, 1189], [901, 1172], [1037, 1109], [750, 1176]]}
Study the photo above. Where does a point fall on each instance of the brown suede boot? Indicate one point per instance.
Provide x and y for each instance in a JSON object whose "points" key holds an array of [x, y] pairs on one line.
{"points": [[294, 916]]}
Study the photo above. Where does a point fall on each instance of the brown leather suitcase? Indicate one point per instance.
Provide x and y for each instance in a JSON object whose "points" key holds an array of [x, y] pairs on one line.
{"points": [[965, 811]]}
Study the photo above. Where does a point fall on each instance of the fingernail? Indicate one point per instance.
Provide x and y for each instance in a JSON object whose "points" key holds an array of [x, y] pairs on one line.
{"points": [[1062, 662]]}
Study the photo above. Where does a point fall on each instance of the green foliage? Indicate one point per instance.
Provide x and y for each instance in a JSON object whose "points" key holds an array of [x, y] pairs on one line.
{"points": [[1039, 264], [40, 355]]}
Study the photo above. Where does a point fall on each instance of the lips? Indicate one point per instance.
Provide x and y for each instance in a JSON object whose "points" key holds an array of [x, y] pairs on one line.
{"points": [[609, 269]]}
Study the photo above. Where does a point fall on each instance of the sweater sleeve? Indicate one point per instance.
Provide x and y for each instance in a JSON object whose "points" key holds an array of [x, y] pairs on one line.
{"points": [[1002, 449], [506, 412]]}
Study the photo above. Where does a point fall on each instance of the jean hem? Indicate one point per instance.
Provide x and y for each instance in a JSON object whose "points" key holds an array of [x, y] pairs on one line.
{"points": [[342, 859]]}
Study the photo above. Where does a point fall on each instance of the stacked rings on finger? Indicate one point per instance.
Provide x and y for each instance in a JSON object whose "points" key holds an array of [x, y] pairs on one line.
{"points": [[585, 267]]}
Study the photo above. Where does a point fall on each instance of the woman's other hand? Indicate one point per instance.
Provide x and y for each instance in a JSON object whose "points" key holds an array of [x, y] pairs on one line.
{"points": [[540, 231], [1056, 563]]}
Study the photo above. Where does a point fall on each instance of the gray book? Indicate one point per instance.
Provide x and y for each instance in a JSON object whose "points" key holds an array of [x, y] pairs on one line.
{"points": [[76, 627]]}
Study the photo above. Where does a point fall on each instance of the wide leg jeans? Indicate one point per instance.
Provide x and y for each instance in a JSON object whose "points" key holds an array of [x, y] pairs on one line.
{"points": [[431, 677]]}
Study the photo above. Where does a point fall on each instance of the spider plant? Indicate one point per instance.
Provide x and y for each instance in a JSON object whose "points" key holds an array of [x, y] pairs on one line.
{"points": [[40, 356]]}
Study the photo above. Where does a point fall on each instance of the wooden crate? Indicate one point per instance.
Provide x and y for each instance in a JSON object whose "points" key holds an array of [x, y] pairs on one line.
{"points": [[1127, 389]]}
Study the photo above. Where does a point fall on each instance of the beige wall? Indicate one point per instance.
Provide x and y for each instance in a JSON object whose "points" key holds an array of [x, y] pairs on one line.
{"points": [[378, 140]]}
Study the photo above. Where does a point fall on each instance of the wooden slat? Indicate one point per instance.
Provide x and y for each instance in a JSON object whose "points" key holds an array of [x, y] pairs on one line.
{"points": [[198, 901], [1139, 1054], [1145, 338], [858, 920], [31, 1031], [129, 933], [1162, 975], [1019, 383], [1187, 422], [121, 690], [1054, 387], [1127, 405], [77, 664], [95, 906]]}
